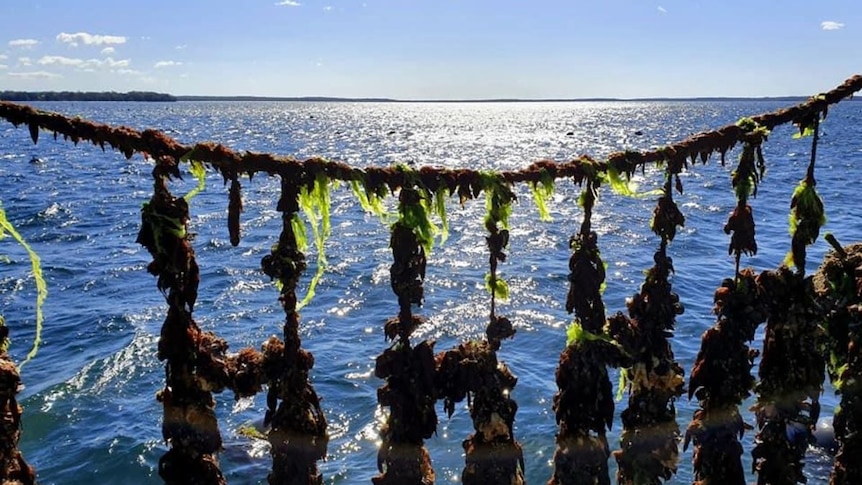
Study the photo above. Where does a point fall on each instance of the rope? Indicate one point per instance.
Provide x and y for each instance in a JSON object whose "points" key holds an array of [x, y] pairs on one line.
{"points": [[156, 144]]}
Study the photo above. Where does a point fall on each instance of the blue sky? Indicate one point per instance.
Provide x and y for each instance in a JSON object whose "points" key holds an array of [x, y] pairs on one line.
{"points": [[419, 49]]}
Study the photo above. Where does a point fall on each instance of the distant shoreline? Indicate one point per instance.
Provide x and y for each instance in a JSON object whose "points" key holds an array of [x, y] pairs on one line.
{"points": [[146, 96], [326, 99]]}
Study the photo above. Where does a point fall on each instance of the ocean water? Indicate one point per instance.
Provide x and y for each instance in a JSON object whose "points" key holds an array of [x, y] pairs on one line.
{"points": [[90, 411]]}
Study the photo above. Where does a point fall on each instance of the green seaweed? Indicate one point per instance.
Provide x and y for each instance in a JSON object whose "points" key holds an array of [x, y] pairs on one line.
{"points": [[497, 286], [542, 191], [369, 200], [316, 204], [418, 216], [804, 131], [199, 171], [41, 285], [806, 202], [624, 186], [4, 344], [440, 210], [576, 335], [498, 199]]}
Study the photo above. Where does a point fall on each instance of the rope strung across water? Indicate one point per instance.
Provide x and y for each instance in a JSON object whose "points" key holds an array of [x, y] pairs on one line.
{"points": [[157, 144]]}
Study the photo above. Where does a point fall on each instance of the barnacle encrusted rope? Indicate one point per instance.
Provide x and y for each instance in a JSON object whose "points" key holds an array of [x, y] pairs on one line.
{"points": [[190, 425], [409, 391], [298, 433], [792, 367], [650, 436], [721, 379], [584, 405], [157, 144], [838, 285], [13, 468], [472, 370]]}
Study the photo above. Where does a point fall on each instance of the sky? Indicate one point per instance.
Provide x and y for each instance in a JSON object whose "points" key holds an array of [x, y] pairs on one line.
{"points": [[422, 49]]}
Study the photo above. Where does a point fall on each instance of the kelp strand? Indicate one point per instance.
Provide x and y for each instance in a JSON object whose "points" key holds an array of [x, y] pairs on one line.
{"points": [[41, 285], [316, 204]]}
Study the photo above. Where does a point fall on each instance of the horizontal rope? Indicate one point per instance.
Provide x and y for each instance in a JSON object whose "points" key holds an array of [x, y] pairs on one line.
{"points": [[230, 163]]}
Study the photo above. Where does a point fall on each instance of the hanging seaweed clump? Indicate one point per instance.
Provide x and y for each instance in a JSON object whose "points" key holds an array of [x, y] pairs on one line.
{"points": [[791, 377], [194, 367], [472, 370], [584, 405], [298, 427], [650, 434], [409, 391], [749, 171], [721, 379], [542, 190], [806, 208], [838, 287]]}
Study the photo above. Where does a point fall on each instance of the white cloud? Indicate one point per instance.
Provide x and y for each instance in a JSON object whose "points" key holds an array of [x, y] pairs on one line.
{"points": [[34, 75], [3, 66], [82, 64], [25, 61], [89, 39], [662, 9], [327, 8], [3, 57], [162, 64], [288, 3], [24, 43], [107, 51], [59, 61], [831, 25], [181, 47], [128, 72]]}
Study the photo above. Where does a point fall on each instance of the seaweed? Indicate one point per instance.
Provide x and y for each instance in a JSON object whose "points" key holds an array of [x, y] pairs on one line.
{"points": [[746, 177], [316, 204], [41, 285], [542, 191], [806, 211]]}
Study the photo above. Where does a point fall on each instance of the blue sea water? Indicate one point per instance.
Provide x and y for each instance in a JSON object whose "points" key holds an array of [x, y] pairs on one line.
{"points": [[90, 411]]}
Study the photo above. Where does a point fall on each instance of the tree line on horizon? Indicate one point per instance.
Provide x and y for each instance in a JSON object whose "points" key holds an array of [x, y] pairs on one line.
{"points": [[85, 96]]}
